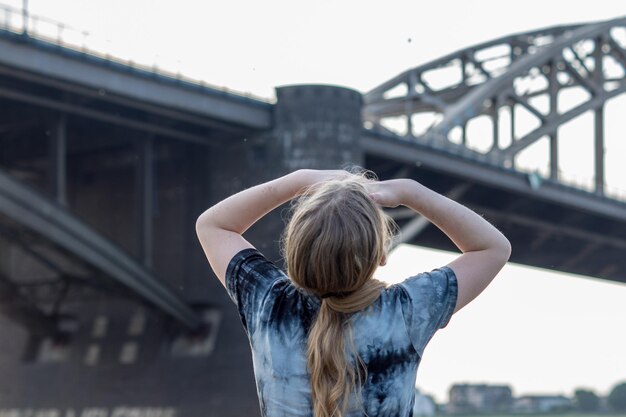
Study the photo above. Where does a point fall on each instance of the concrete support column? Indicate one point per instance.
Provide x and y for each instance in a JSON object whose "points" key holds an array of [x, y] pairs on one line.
{"points": [[57, 174], [315, 126], [144, 198], [318, 126]]}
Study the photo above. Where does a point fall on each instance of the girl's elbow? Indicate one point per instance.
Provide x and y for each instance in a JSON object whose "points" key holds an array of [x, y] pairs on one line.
{"points": [[505, 249], [203, 221]]}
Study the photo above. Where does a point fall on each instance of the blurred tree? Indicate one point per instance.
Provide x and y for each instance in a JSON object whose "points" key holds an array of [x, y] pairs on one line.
{"points": [[586, 400], [617, 397]]}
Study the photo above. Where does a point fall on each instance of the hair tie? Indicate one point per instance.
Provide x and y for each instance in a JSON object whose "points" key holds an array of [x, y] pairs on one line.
{"points": [[339, 294]]}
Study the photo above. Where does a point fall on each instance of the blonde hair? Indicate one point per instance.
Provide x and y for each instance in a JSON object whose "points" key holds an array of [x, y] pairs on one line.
{"points": [[334, 242]]}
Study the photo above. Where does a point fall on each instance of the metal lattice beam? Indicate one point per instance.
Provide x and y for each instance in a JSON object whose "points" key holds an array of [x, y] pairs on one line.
{"points": [[33, 211], [488, 78]]}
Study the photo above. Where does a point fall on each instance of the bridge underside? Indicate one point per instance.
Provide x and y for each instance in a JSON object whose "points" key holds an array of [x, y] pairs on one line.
{"points": [[73, 123], [545, 229]]}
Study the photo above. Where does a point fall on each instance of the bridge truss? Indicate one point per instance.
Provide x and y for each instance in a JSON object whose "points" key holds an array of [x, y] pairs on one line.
{"points": [[545, 77]]}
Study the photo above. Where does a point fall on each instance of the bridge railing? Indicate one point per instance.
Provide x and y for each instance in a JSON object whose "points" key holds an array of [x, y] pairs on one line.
{"points": [[568, 179], [51, 31]]}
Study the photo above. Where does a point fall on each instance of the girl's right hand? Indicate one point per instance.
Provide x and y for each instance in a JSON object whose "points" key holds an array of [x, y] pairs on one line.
{"points": [[388, 193]]}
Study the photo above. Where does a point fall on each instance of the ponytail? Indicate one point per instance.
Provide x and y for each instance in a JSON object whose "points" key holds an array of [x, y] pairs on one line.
{"points": [[335, 240], [332, 378]]}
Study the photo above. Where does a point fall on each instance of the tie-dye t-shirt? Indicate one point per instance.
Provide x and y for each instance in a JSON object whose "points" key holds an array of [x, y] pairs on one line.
{"points": [[390, 335]]}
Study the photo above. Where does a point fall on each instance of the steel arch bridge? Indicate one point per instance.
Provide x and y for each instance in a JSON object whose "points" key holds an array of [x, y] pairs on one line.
{"points": [[76, 124], [526, 72]]}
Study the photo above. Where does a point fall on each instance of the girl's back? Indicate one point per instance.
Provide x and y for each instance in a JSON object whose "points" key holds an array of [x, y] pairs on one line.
{"points": [[389, 336], [330, 340]]}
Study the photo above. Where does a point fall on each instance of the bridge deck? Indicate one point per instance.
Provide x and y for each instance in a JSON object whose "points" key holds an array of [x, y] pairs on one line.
{"points": [[550, 225], [34, 61]]}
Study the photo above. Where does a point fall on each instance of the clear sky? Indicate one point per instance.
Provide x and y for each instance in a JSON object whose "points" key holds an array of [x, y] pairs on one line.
{"points": [[537, 330], [540, 331]]}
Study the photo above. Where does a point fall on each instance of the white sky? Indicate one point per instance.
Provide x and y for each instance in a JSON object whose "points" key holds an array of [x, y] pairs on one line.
{"points": [[537, 330], [540, 331]]}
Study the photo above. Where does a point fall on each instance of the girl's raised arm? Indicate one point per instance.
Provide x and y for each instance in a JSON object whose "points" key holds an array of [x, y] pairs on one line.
{"points": [[220, 227], [485, 249]]}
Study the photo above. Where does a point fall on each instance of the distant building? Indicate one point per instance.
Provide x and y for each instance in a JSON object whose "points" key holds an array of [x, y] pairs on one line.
{"points": [[424, 405], [604, 406], [541, 403], [479, 398]]}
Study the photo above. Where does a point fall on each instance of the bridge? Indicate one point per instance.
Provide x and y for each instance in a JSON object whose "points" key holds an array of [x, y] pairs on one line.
{"points": [[106, 164]]}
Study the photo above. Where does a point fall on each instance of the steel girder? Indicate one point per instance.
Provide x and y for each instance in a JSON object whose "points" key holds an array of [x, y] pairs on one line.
{"points": [[86, 74], [420, 96], [481, 171], [33, 211], [560, 58]]}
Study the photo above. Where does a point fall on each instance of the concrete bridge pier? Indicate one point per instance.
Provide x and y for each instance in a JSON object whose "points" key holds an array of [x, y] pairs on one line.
{"points": [[315, 126]]}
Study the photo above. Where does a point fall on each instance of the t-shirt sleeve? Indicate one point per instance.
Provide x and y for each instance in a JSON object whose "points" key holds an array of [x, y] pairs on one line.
{"points": [[249, 280], [430, 301]]}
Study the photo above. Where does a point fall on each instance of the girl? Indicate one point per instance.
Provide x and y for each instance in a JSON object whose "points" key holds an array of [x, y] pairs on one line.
{"points": [[327, 338]]}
